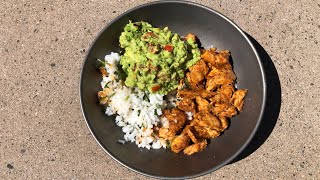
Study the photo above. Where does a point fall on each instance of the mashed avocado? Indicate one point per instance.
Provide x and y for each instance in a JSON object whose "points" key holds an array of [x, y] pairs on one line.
{"points": [[155, 59]]}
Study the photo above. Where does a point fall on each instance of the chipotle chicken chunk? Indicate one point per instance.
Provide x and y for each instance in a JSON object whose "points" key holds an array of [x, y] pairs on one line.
{"points": [[166, 133], [237, 98], [202, 104], [192, 94], [206, 132], [206, 119], [180, 142], [186, 105], [224, 94], [197, 73], [196, 147], [192, 133], [224, 109], [176, 119]]}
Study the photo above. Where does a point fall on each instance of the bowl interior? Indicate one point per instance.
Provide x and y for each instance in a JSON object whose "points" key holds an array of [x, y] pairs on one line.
{"points": [[212, 29]]}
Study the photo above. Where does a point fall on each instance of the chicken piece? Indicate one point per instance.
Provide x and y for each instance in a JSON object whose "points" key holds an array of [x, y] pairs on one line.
{"points": [[226, 90], [206, 132], [209, 56], [224, 94], [212, 50], [166, 133], [222, 58], [238, 98], [216, 81], [187, 94], [225, 54], [218, 60], [207, 120], [204, 93], [229, 112], [180, 142], [197, 73], [194, 148], [202, 104], [214, 72], [224, 123], [192, 133], [226, 110], [187, 105], [176, 119], [217, 77], [224, 72], [192, 94]]}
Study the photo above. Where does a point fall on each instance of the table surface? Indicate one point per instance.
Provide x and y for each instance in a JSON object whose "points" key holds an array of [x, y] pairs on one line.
{"points": [[43, 44]]}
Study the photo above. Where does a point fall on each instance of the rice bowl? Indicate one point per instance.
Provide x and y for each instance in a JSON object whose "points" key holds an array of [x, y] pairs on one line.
{"points": [[221, 150]]}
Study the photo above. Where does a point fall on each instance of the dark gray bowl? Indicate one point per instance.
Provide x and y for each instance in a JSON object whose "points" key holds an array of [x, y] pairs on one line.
{"points": [[212, 28]]}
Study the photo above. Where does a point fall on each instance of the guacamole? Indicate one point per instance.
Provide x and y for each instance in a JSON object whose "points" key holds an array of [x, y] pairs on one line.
{"points": [[155, 59]]}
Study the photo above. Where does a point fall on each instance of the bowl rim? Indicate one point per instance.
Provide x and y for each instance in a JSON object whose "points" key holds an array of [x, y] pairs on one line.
{"points": [[212, 11]]}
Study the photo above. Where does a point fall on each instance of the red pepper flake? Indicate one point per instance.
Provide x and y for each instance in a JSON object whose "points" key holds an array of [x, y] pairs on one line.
{"points": [[168, 48], [155, 88]]}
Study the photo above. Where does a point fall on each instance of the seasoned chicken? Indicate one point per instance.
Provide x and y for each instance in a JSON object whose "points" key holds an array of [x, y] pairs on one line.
{"points": [[215, 58], [206, 132], [186, 105], [202, 104], [225, 109], [224, 72], [197, 73], [216, 81], [224, 122], [197, 147], [209, 56], [192, 94], [206, 119], [238, 98], [180, 142], [192, 133], [225, 54], [176, 119], [166, 133], [211, 50], [226, 90], [224, 94], [222, 58]]}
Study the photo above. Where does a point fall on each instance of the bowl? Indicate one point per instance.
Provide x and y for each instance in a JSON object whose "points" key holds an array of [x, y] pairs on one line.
{"points": [[213, 29]]}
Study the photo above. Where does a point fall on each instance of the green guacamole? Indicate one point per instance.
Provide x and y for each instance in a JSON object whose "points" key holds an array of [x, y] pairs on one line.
{"points": [[155, 59]]}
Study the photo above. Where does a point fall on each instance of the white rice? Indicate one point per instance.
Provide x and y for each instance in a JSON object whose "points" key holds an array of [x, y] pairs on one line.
{"points": [[134, 113]]}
